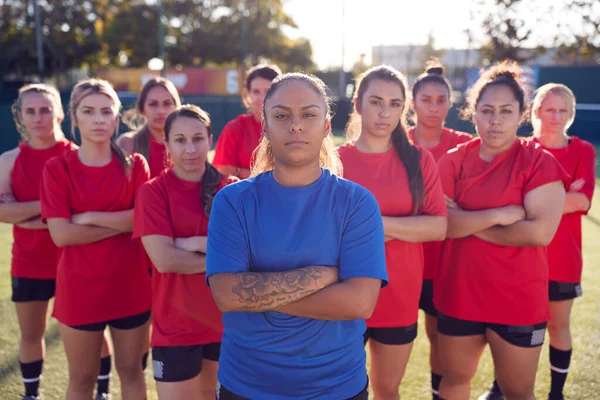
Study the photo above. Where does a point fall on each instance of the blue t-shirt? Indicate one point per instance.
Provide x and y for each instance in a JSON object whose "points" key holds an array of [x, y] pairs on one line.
{"points": [[258, 225]]}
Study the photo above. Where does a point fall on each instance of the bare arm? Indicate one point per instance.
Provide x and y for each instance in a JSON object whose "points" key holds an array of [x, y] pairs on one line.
{"points": [[194, 244], [419, 228], [121, 221], [11, 210], [575, 201], [354, 298], [64, 233], [241, 173], [265, 291], [167, 258], [33, 224], [543, 207]]}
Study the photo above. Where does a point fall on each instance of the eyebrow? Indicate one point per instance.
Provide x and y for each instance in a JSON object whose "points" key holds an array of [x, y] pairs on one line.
{"points": [[381, 98], [289, 108], [183, 134], [502, 105], [93, 108]]}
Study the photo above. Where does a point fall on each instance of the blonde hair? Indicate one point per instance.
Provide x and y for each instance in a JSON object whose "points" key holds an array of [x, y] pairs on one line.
{"points": [[540, 96], [57, 109], [99, 86], [264, 160]]}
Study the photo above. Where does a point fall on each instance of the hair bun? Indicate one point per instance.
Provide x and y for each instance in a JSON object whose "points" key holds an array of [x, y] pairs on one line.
{"points": [[436, 70]]}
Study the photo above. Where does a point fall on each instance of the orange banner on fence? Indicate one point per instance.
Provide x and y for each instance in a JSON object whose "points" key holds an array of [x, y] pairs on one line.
{"points": [[219, 82]]}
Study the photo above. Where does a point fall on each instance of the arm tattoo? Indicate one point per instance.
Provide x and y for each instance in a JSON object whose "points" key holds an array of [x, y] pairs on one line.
{"points": [[6, 198], [269, 290]]}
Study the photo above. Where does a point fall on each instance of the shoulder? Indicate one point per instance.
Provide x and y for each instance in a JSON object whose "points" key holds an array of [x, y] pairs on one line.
{"points": [[138, 161], [126, 141], [459, 136], [236, 124], [154, 188], [583, 146], [345, 150], [233, 191], [8, 158], [227, 180], [58, 164]]}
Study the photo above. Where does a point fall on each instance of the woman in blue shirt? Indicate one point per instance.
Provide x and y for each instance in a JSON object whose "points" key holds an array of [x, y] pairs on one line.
{"points": [[295, 260]]}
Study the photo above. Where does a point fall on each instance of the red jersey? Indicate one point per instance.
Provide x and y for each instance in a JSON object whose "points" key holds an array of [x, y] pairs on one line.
{"points": [[237, 142], [108, 279], [564, 252], [34, 254], [170, 206], [449, 140], [482, 281], [157, 157], [385, 176]]}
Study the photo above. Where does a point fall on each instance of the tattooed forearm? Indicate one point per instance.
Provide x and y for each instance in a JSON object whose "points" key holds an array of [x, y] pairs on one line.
{"points": [[264, 291]]}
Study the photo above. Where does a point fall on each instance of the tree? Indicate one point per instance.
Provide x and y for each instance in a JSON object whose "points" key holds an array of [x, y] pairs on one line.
{"points": [[517, 29], [429, 51]]}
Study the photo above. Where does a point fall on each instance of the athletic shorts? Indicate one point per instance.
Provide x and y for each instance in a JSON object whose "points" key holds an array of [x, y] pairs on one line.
{"points": [[224, 394], [517, 335], [426, 301], [29, 289], [180, 363], [126, 323], [392, 336], [559, 291]]}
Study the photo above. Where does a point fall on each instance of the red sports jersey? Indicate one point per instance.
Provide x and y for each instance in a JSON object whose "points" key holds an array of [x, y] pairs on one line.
{"points": [[385, 176], [104, 280], [34, 254], [564, 252], [157, 157], [485, 282], [450, 139], [237, 142], [170, 206]]}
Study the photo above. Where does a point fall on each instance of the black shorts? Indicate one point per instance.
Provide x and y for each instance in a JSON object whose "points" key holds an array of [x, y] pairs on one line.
{"points": [[180, 363], [517, 335], [126, 323], [224, 394], [29, 289], [559, 291], [392, 336], [426, 301]]}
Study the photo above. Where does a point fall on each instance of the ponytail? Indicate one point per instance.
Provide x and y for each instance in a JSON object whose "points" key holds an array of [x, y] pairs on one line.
{"points": [[141, 142], [410, 156], [210, 183]]}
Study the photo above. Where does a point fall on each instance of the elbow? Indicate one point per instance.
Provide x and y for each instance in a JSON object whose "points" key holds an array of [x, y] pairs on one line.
{"points": [[59, 239], [222, 305], [542, 239], [441, 228], [365, 312]]}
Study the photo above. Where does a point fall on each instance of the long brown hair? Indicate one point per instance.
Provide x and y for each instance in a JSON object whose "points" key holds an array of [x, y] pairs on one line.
{"points": [[409, 154], [99, 86], [212, 177], [135, 120], [264, 159], [57, 109]]}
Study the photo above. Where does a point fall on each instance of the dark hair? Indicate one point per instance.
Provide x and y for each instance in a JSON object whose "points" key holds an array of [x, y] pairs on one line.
{"points": [[135, 120], [409, 154], [99, 86], [265, 71], [212, 177], [263, 155], [507, 73], [434, 73]]}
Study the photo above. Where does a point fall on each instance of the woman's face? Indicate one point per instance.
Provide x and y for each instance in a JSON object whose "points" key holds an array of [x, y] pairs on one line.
{"points": [[497, 118], [554, 113], [38, 115], [258, 89], [431, 105], [96, 118], [158, 105], [381, 108], [296, 124], [188, 145]]}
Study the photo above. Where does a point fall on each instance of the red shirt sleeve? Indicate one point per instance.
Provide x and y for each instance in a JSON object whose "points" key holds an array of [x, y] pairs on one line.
{"points": [[54, 196], [545, 169], [433, 202], [586, 170], [226, 151], [140, 172], [151, 215], [448, 173]]}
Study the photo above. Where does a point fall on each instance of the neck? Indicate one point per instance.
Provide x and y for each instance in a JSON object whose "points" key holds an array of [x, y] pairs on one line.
{"points": [[41, 143], [190, 176], [367, 143], [157, 134], [488, 154], [428, 136], [95, 154], [291, 176], [257, 118], [553, 140]]}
